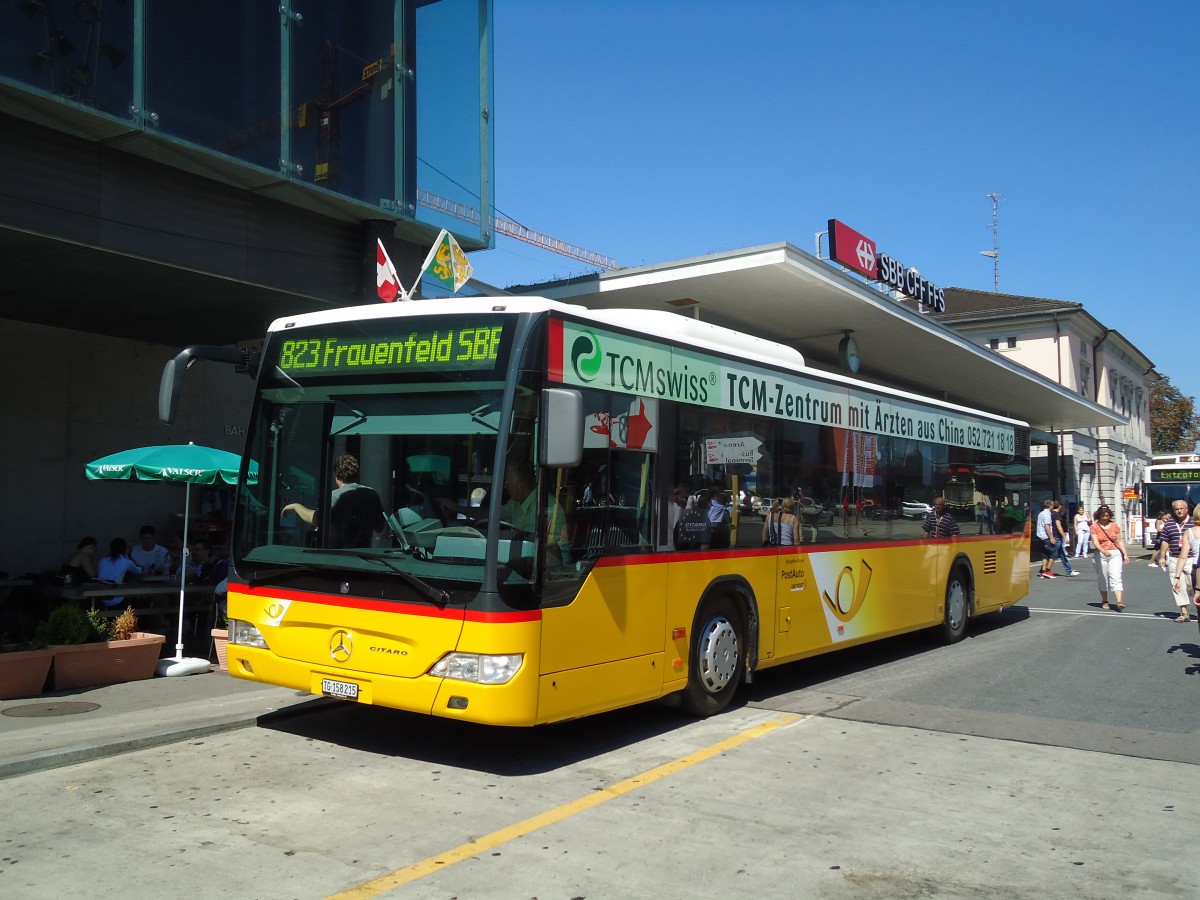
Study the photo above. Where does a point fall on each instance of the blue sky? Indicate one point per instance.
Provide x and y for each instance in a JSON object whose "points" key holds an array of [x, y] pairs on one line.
{"points": [[653, 130]]}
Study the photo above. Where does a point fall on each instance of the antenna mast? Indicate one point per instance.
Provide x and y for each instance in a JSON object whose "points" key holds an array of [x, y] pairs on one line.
{"points": [[994, 253]]}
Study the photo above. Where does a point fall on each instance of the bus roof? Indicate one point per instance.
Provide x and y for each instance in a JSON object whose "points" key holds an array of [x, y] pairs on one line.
{"points": [[654, 324], [1175, 459], [695, 333]]}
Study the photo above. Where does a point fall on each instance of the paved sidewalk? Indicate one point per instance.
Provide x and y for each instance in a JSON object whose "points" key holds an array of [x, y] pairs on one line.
{"points": [[67, 727]]}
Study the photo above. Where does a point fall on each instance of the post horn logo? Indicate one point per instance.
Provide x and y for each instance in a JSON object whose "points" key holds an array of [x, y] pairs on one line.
{"points": [[585, 356], [849, 597], [341, 645]]}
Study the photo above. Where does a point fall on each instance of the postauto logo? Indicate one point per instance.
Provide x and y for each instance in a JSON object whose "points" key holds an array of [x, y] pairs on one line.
{"points": [[586, 357]]}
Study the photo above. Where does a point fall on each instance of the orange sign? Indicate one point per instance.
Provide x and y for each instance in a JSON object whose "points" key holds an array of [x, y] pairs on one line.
{"points": [[1129, 494]]}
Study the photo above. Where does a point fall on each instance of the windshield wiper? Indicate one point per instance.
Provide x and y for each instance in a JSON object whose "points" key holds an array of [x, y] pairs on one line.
{"points": [[268, 574], [437, 595], [359, 418], [477, 416]]}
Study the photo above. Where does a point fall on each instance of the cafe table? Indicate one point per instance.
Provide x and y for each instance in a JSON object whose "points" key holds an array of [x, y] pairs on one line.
{"points": [[143, 593]]}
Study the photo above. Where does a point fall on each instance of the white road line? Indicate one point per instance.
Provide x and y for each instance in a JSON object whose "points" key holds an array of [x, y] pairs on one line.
{"points": [[1112, 614]]}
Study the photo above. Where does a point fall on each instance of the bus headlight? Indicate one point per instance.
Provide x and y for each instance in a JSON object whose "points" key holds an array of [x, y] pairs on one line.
{"points": [[476, 667], [246, 634]]}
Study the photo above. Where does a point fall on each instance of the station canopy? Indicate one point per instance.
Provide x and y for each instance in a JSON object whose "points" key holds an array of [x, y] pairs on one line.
{"points": [[780, 293]]}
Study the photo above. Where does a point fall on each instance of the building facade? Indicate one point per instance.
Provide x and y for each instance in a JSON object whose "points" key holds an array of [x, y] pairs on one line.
{"points": [[183, 174], [1062, 341]]}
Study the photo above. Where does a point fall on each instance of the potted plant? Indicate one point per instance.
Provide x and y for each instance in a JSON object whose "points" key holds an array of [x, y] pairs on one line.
{"points": [[23, 669], [89, 651], [220, 638]]}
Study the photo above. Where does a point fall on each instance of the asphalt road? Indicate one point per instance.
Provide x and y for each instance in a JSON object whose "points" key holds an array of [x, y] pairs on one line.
{"points": [[1056, 669], [1045, 756]]}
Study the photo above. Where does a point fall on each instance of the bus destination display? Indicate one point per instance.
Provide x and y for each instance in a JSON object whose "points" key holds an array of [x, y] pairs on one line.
{"points": [[1167, 475], [471, 348]]}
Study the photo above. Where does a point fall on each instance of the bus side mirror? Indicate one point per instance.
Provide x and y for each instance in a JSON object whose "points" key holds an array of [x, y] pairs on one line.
{"points": [[561, 428], [171, 384]]}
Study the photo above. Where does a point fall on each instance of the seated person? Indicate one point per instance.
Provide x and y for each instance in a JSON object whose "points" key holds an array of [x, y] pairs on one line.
{"points": [[520, 511], [80, 565], [720, 519], [115, 567], [206, 567], [356, 513], [694, 529], [150, 555]]}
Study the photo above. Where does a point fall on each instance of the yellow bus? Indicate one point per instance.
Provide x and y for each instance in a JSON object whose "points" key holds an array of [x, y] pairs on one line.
{"points": [[556, 531]]}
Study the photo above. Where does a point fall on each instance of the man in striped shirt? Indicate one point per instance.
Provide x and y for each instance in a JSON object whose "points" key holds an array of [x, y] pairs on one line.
{"points": [[939, 523], [1172, 534]]}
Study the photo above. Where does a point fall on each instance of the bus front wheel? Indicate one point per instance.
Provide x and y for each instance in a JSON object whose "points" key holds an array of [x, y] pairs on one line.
{"points": [[715, 667], [958, 606]]}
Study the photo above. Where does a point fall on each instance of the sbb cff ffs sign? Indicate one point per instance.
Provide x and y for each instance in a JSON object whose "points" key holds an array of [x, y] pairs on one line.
{"points": [[858, 252]]}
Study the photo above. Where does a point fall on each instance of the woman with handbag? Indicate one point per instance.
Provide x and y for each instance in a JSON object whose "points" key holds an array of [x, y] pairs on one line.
{"points": [[1189, 561], [1111, 556]]}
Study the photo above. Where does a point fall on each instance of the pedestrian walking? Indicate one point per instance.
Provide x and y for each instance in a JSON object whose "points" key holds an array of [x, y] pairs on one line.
{"points": [[1083, 532], [1189, 557], [1044, 533], [1111, 556], [1172, 532], [1058, 517], [1158, 559]]}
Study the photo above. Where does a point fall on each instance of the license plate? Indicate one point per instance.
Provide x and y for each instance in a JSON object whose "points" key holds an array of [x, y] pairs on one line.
{"points": [[343, 690]]}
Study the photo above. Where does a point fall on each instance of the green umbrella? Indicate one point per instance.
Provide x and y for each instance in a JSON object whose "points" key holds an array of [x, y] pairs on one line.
{"points": [[187, 464]]}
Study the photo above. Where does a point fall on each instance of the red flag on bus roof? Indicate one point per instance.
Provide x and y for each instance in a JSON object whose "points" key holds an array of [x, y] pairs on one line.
{"points": [[387, 282]]}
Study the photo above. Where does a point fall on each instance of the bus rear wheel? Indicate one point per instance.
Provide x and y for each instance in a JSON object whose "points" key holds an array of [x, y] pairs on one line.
{"points": [[958, 606], [715, 667]]}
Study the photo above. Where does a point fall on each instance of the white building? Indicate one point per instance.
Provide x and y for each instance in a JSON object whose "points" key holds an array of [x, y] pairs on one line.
{"points": [[1063, 342]]}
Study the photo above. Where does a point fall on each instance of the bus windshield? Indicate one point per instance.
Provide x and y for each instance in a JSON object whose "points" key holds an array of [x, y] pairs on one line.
{"points": [[419, 462], [376, 441]]}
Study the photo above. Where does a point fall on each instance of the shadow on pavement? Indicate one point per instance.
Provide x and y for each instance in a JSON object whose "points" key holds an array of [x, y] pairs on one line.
{"points": [[815, 672], [1193, 651], [483, 748], [545, 748]]}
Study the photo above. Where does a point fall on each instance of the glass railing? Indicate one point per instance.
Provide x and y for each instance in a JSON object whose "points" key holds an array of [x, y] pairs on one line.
{"points": [[312, 91]]}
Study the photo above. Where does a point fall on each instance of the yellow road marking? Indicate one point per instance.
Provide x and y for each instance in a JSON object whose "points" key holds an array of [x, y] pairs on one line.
{"points": [[465, 851]]}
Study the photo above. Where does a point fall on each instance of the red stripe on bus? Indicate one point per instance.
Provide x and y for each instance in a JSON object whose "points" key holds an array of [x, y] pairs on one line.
{"points": [[554, 367], [399, 607], [750, 553]]}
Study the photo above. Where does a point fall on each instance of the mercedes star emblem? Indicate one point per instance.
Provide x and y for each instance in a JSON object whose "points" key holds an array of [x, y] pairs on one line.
{"points": [[341, 645]]}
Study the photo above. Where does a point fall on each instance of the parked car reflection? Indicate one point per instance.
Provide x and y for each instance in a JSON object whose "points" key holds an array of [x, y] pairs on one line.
{"points": [[915, 509]]}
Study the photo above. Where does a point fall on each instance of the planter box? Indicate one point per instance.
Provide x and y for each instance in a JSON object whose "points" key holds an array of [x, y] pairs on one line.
{"points": [[107, 662], [220, 638], [23, 674]]}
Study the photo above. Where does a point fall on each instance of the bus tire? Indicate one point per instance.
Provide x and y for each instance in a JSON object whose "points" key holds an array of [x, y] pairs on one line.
{"points": [[717, 657], [958, 606]]}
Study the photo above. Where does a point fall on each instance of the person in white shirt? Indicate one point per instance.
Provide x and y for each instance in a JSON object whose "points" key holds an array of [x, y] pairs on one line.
{"points": [[1083, 532], [1048, 540], [153, 558], [115, 567]]}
